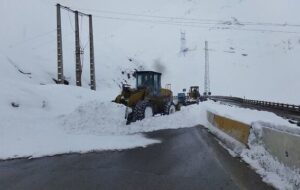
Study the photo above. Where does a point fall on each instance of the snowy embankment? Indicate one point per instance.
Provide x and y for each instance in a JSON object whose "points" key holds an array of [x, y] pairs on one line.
{"points": [[267, 164], [106, 118], [32, 129], [259, 154], [53, 119]]}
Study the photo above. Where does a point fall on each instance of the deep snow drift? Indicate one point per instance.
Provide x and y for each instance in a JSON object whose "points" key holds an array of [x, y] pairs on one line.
{"points": [[55, 119]]}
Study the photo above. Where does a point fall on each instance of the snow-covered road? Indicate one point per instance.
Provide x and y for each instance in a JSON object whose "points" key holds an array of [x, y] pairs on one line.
{"points": [[44, 125], [187, 158]]}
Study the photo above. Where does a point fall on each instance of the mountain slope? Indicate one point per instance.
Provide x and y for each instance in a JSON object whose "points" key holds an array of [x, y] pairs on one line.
{"points": [[251, 54]]}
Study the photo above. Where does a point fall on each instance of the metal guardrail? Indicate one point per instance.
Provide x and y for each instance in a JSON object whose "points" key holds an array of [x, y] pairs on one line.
{"points": [[266, 104], [290, 107], [287, 111]]}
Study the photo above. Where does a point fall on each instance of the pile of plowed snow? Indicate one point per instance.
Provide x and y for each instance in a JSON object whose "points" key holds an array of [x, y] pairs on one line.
{"points": [[95, 117], [108, 118], [55, 119]]}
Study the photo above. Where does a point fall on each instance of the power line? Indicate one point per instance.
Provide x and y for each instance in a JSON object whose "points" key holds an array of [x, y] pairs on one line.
{"points": [[213, 21], [83, 45], [73, 11], [271, 24], [151, 20], [81, 14], [199, 25], [71, 22], [151, 16], [147, 20], [79, 49], [191, 22], [259, 30]]}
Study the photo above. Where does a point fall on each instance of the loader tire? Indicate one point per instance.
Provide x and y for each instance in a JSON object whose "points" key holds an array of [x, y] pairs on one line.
{"points": [[178, 106], [140, 109], [169, 108], [129, 118]]}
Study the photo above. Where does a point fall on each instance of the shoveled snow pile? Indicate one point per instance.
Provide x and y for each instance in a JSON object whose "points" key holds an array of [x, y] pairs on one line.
{"points": [[107, 118], [247, 115], [268, 166], [54, 119], [95, 118], [233, 146], [31, 128]]}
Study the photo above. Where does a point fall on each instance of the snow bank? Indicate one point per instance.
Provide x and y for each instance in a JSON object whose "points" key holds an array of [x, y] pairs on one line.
{"points": [[258, 154], [33, 129], [40, 140], [291, 128], [108, 118], [246, 115], [57, 119], [233, 146], [268, 166]]}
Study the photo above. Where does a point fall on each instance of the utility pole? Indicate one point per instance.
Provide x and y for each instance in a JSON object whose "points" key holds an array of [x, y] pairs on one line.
{"points": [[60, 70], [183, 48], [206, 74], [77, 50], [92, 58]]}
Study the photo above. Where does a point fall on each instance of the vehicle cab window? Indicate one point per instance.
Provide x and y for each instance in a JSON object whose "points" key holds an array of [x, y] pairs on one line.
{"points": [[149, 80]]}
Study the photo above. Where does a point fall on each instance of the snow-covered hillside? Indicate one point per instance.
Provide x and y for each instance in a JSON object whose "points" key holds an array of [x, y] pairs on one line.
{"points": [[251, 55]]}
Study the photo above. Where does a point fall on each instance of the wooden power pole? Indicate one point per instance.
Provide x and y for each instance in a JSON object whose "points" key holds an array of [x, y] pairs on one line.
{"points": [[60, 70], [92, 58], [77, 50]]}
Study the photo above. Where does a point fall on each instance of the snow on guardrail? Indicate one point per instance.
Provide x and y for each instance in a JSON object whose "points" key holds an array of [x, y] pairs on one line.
{"points": [[272, 146], [268, 104]]}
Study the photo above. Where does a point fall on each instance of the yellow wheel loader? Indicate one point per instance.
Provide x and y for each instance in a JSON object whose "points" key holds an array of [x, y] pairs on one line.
{"points": [[147, 98], [194, 95]]}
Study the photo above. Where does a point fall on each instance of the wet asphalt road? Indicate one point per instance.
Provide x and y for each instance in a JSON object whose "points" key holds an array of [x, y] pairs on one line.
{"points": [[189, 158]]}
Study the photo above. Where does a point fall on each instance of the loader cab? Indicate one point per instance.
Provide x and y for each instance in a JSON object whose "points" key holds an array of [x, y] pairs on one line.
{"points": [[149, 80], [194, 92], [194, 89]]}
